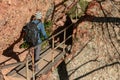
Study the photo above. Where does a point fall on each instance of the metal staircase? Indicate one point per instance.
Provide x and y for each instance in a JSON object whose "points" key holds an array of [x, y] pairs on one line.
{"points": [[49, 57]]}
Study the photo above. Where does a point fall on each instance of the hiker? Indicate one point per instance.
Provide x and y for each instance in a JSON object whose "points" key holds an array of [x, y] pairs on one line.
{"points": [[36, 19], [41, 28]]}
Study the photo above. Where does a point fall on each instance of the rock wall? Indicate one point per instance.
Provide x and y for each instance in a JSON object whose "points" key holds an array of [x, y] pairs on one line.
{"points": [[97, 46], [95, 59]]}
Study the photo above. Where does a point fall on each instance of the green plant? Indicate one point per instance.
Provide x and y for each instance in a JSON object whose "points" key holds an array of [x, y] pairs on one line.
{"points": [[83, 4], [24, 45], [72, 12], [79, 9], [44, 45], [48, 24]]}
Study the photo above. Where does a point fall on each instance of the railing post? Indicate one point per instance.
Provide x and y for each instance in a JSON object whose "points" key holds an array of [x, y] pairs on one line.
{"points": [[33, 66], [64, 42], [53, 45], [64, 39], [27, 67]]}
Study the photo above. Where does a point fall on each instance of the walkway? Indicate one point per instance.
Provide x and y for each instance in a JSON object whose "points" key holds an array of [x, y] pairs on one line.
{"points": [[49, 57]]}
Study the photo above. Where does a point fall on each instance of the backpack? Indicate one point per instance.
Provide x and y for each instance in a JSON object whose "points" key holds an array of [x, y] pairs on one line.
{"points": [[31, 34]]}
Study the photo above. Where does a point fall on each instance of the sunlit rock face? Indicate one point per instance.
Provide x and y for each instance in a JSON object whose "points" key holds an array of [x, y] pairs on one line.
{"points": [[14, 14], [95, 59]]}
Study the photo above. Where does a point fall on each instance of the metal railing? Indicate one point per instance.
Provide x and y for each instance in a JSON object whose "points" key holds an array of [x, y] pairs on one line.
{"points": [[52, 38], [27, 60]]}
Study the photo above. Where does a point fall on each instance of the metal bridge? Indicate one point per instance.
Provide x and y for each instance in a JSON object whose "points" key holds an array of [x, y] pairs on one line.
{"points": [[50, 56]]}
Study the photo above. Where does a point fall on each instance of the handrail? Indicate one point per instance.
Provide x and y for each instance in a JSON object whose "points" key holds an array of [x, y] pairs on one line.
{"points": [[57, 46], [51, 37], [53, 42], [56, 34], [11, 65], [26, 60]]}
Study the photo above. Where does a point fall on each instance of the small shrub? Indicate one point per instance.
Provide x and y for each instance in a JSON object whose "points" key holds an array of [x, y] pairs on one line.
{"points": [[24, 45], [48, 24], [83, 5]]}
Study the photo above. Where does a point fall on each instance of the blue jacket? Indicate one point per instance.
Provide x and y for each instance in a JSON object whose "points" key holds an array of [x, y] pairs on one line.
{"points": [[41, 30]]}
